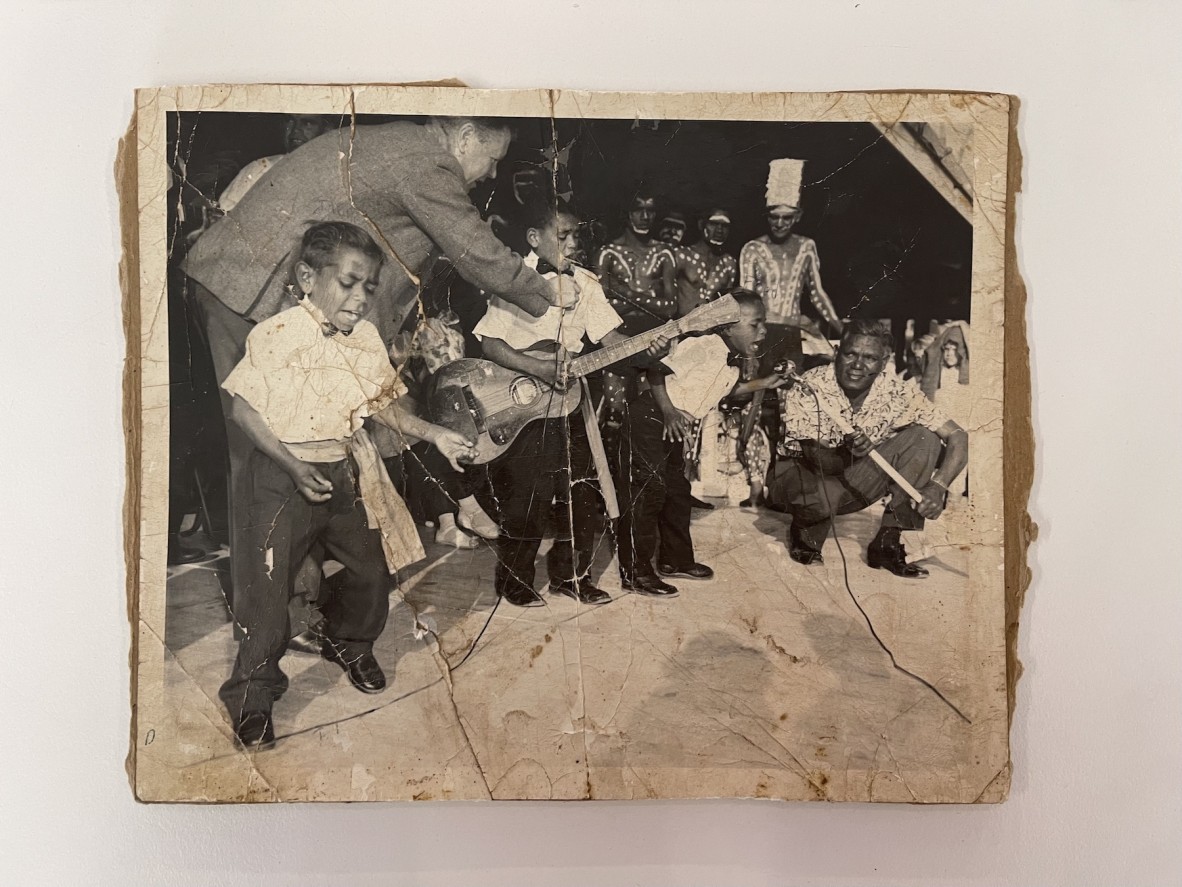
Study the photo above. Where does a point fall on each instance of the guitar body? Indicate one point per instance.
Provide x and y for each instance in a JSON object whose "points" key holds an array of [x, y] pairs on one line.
{"points": [[490, 404]]}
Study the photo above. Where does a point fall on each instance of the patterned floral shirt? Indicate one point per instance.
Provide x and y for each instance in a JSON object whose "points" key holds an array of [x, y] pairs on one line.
{"points": [[890, 406]]}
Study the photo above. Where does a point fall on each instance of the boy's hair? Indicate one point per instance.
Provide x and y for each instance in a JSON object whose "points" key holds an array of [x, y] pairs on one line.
{"points": [[870, 329], [746, 297], [323, 239], [540, 214]]}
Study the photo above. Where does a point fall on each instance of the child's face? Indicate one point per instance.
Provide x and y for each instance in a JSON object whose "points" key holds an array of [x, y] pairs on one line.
{"points": [[558, 242], [342, 288], [749, 331]]}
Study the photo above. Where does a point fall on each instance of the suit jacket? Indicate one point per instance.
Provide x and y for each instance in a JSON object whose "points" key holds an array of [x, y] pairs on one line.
{"points": [[392, 180]]}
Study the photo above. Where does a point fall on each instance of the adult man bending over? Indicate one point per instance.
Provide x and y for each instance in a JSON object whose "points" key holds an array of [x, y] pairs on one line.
{"points": [[405, 184], [835, 475]]}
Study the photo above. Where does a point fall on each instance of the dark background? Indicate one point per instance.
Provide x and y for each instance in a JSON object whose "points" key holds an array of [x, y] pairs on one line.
{"points": [[890, 245]]}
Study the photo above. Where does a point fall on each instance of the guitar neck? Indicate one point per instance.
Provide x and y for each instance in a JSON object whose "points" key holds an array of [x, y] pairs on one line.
{"points": [[605, 357]]}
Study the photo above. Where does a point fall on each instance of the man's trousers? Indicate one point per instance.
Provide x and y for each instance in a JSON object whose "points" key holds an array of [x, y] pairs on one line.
{"points": [[828, 482]]}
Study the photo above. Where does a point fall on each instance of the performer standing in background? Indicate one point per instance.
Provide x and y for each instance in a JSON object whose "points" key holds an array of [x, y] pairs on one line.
{"points": [[782, 267], [672, 228], [621, 267], [625, 270], [703, 272], [945, 379]]}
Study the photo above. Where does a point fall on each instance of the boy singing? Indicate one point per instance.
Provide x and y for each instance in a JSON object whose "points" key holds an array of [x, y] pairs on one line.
{"points": [[310, 377], [654, 491]]}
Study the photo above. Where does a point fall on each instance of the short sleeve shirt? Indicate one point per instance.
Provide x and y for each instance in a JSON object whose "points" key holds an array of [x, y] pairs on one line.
{"points": [[890, 406], [309, 386], [701, 375], [593, 315]]}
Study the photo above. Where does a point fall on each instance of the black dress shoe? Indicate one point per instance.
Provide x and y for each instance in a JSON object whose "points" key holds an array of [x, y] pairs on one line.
{"points": [[583, 592], [523, 597], [254, 731], [695, 502], [805, 556], [650, 585], [693, 571], [362, 668], [306, 641], [896, 562], [887, 552]]}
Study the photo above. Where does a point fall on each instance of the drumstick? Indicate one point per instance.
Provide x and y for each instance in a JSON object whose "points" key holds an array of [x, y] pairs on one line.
{"points": [[846, 428]]}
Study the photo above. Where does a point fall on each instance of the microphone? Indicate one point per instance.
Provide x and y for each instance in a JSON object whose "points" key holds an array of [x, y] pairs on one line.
{"points": [[787, 369]]}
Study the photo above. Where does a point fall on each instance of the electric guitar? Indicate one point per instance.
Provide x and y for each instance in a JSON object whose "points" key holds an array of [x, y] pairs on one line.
{"points": [[490, 404]]}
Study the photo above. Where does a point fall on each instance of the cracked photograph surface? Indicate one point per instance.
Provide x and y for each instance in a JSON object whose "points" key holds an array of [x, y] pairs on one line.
{"points": [[553, 445]]}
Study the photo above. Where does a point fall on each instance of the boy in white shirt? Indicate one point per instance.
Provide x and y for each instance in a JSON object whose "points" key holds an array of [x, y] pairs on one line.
{"points": [[310, 376], [548, 471], [654, 491]]}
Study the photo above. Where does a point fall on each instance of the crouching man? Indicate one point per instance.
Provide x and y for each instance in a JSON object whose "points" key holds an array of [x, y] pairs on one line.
{"points": [[831, 473]]}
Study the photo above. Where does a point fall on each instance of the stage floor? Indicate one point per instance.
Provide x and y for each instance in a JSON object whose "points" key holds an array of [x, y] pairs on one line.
{"points": [[768, 677]]}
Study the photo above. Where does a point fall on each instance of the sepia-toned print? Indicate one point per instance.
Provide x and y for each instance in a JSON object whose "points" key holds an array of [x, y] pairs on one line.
{"points": [[558, 445]]}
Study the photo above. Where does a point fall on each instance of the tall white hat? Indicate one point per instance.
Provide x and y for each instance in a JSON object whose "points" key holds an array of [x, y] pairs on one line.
{"points": [[783, 182]]}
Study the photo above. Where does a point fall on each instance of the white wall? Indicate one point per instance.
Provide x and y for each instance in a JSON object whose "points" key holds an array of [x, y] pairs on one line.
{"points": [[1097, 743]]}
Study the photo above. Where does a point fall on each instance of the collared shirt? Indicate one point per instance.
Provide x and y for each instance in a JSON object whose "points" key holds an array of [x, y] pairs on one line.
{"points": [[781, 273], [891, 404], [311, 387], [701, 375], [519, 330]]}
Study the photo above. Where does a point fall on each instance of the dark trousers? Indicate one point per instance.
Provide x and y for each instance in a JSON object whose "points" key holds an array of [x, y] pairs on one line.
{"points": [[435, 486], [655, 500], [546, 478], [280, 530], [225, 335], [827, 482]]}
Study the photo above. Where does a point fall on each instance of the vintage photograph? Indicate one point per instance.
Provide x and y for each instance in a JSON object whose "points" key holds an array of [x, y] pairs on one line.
{"points": [[558, 445]]}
